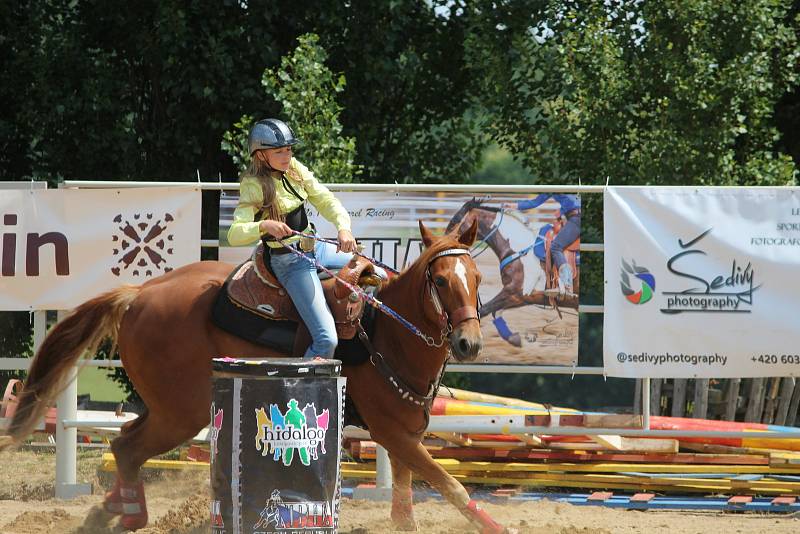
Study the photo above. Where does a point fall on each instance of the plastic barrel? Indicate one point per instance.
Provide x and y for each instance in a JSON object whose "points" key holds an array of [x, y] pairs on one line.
{"points": [[276, 427]]}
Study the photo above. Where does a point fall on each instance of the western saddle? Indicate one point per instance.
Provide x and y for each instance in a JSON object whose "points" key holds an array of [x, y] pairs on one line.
{"points": [[254, 287]]}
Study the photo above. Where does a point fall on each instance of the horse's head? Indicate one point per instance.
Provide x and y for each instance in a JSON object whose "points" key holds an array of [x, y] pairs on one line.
{"points": [[452, 281], [473, 211]]}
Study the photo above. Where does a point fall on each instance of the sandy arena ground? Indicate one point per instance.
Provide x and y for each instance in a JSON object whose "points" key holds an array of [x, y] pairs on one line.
{"points": [[179, 504]]}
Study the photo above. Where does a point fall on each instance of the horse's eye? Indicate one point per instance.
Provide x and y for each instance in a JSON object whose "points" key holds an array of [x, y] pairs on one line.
{"points": [[440, 281]]}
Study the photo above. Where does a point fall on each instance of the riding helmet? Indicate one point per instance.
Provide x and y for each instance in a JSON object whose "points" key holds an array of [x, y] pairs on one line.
{"points": [[271, 133]]}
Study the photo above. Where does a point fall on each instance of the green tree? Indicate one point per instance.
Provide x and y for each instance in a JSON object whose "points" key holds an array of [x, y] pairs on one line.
{"points": [[306, 90], [498, 166], [145, 90], [674, 92]]}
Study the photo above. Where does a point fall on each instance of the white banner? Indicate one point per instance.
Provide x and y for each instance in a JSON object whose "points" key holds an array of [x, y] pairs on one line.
{"points": [[59, 248], [702, 282], [520, 324]]}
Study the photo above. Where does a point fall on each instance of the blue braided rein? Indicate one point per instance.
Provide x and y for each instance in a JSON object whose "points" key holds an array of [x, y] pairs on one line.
{"points": [[372, 301], [336, 242]]}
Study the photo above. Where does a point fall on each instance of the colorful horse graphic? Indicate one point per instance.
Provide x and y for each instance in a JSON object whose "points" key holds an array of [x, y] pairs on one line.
{"points": [[262, 423], [282, 433], [316, 421]]}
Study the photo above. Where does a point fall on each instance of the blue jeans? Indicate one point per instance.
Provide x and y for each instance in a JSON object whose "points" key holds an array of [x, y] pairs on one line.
{"points": [[569, 233], [327, 256], [299, 277]]}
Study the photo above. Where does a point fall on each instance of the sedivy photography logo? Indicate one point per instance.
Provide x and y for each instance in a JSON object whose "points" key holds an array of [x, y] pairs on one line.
{"points": [[296, 430], [643, 287], [708, 292]]}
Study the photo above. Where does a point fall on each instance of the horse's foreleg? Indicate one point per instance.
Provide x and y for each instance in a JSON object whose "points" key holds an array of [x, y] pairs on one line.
{"points": [[402, 504], [414, 455]]}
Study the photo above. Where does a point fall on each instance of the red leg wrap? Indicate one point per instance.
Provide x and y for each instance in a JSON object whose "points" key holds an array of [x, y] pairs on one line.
{"points": [[134, 507], [482, 520], [113, 501]]}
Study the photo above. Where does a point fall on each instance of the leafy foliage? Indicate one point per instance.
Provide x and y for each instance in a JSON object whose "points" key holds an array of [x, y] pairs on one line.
{"points": [[306, 89], [638, 92], [671, 92]]}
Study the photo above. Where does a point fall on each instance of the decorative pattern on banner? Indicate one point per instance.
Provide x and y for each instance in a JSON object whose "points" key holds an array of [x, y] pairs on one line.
{"points": [[526, 244], [702, 282], [62, 247]]}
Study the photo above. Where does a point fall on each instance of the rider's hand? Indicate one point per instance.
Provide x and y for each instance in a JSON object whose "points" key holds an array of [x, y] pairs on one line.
{"points": [[276, 229], [347, 243]]}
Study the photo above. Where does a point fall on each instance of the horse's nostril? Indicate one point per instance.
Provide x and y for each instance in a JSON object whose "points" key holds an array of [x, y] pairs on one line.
{"points": [[464, 345]]}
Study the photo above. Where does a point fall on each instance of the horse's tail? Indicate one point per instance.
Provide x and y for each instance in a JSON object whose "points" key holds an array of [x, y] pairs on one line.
{"points": [[78, 334]]}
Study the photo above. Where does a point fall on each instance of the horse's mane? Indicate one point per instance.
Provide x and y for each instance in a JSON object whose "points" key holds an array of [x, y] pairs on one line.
{"points": [[416, 270]]}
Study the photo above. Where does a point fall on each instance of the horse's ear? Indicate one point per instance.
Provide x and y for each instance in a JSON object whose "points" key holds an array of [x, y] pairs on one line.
{"points": [[427, 236], [467, 237]]}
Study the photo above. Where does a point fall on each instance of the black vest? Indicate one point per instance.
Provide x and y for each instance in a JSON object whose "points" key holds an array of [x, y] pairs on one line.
{"points": [[296, 219]]}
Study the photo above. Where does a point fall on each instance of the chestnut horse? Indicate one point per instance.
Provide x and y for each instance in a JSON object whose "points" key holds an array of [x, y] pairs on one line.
{"points": [[166, 341]]}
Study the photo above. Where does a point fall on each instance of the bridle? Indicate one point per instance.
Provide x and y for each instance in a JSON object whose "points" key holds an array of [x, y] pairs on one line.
{"points": [[448, 321]]}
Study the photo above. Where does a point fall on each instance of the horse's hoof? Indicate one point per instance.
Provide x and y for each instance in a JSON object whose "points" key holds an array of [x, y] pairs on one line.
{"points": [[405, 525], [133, 521], [515, 340], [403, 515]]}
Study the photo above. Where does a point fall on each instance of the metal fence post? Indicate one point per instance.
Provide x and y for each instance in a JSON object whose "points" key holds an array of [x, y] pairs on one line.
{"points": [[382, 491], [67, 440], [646, 403]]}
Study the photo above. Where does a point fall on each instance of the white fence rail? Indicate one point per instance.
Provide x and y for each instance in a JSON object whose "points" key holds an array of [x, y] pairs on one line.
{"points": [[67, 422]]}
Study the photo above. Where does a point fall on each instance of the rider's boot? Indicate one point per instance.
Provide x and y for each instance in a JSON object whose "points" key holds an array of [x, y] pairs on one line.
{"points": [[565, 279]]}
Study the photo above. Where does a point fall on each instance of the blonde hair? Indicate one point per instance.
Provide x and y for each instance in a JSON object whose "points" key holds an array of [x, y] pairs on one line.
{"points": [[260, 169]]}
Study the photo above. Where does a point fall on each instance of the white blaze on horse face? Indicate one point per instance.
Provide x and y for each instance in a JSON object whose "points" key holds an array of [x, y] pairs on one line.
{"points": [[461, 272]]}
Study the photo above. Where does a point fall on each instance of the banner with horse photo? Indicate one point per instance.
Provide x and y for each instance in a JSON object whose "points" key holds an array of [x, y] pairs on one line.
{"points": [[527, 250], [61, 247], [702, 282]]}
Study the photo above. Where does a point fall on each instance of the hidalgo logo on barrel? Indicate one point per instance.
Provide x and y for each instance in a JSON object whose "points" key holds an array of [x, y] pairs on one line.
{"points": [[283, 433]]}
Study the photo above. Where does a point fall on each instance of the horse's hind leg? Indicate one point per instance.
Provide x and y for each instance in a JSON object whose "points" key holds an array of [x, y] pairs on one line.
{"points": [[113, 499], [414, 455], [402, 504], [154, 435]]}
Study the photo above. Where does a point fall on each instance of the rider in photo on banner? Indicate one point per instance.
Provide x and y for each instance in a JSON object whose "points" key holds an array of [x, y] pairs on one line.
{"points": [[571, 209], [271, 206]]}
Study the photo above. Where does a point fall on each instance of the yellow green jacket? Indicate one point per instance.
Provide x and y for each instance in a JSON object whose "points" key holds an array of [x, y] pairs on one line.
{"points": [[244, 229]]}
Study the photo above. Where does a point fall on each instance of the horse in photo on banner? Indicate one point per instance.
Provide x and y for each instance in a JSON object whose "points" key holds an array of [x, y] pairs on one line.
{"points": [[527, 271], [167, 340]]}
